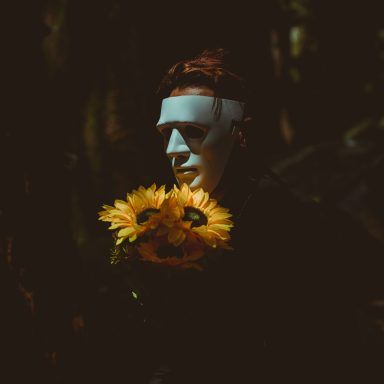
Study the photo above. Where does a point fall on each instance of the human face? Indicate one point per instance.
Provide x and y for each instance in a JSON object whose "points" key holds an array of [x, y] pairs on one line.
{"points": [[197, 141]]}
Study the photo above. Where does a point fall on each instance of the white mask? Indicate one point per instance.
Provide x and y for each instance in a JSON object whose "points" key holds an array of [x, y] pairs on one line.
{"points": [[199, 133]]}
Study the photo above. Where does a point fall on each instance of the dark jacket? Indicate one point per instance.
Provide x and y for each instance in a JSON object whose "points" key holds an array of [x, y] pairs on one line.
{"points": [[281, 307]]}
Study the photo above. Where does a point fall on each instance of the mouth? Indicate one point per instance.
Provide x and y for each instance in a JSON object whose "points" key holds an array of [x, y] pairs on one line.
{"points": [[185, 170]]}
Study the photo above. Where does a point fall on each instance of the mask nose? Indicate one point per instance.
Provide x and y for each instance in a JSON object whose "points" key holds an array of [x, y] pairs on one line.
{"points": [[177, 149]]}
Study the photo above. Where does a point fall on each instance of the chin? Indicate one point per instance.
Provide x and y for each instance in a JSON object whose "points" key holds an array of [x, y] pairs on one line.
{"points": [[199, 183], [195, 183]]}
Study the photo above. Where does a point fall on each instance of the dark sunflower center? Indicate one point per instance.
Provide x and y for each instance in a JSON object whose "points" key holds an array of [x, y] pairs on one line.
{"points": [[196, 216], [168, 250], [145, 215]]}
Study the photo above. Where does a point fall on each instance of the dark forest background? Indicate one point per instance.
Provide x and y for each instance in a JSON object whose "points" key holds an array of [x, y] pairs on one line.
{"points": [[80, 83]]}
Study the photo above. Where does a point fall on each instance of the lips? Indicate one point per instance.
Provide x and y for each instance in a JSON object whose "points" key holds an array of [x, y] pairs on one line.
{"points": [[185, 170]]}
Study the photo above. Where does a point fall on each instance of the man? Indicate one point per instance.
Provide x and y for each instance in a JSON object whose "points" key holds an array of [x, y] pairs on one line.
{"points": [[278, 308]]}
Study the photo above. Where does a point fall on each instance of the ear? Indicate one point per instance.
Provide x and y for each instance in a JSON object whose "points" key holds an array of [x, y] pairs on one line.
{"points": [[243, 131]]}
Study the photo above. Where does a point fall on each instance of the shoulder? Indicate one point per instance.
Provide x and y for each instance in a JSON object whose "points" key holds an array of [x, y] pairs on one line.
{"points": [[270, 201], [292, 246]]}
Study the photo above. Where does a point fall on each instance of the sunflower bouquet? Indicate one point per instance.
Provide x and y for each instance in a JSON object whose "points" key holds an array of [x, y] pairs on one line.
{"points": [[179, 228]]}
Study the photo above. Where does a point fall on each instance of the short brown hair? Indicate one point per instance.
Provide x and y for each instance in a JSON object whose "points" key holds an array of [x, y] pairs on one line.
{"points": [[211, 68]]}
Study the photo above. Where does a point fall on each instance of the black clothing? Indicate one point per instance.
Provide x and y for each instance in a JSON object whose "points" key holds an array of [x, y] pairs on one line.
{"points": [[279, 308], [276, 309]]}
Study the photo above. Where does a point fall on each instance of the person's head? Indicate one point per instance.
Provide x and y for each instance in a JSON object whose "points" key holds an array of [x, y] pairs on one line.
{"points": [[202, 118]]}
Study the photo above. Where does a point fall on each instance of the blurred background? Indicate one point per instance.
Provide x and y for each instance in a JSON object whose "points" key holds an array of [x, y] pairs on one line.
{"points": [[78, 130]]}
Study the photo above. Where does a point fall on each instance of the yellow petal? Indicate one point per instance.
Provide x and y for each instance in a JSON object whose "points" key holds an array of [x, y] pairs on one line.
{"points": [[120, 240], [210, 240], [122, 205], [116, 225], [132, 238], [198, 197], [125, 232], [183, 195], [221, 216]]}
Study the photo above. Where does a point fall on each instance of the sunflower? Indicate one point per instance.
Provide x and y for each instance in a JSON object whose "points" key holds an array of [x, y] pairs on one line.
{"points": [[137, 215], [160, 251], [200, 216]]}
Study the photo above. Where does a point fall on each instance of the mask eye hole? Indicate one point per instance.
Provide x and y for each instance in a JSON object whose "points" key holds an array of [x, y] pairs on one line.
{"points": [[193, 131]]}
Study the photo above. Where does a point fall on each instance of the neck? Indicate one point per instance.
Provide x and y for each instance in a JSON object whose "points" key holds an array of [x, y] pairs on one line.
{"points": [[231, 182]]}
